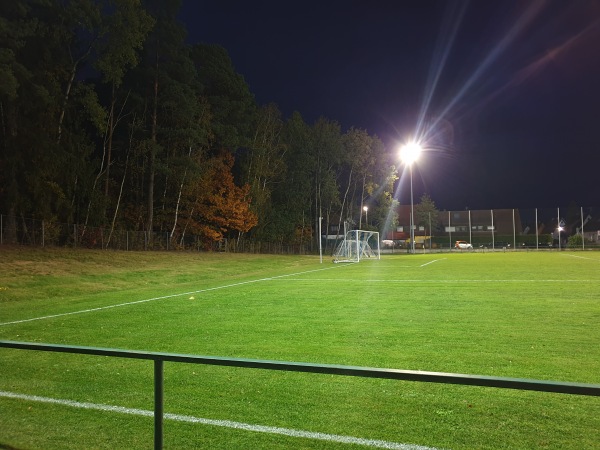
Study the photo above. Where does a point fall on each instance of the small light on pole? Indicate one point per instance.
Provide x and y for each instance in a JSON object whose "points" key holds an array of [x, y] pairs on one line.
{"points": [[409, 153], [366, 210]]}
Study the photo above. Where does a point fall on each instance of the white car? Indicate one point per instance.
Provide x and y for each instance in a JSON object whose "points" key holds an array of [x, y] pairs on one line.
{"points": [[463, 245]]}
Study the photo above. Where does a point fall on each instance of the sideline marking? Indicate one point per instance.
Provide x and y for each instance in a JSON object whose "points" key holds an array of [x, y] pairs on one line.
{"points": [[100, 308], [412, 266], [376, 280], [581, 257], [431, 262], [222, 423]]}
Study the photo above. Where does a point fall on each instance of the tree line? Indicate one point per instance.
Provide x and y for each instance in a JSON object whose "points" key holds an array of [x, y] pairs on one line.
{"points": [[108, 118]]}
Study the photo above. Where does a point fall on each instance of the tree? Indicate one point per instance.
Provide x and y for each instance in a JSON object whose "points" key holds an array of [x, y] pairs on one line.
{"points": [[232, 104], [219, 206], [576, 241], [358, 161], [326, 151], [164, 51], [124, 32], [44, 43], [290, 215], [426, 213], [263, 165], [15, 28]]}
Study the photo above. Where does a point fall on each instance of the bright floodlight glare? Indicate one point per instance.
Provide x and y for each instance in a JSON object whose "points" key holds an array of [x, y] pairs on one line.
{"points": [[365, 208], [409, 153]]}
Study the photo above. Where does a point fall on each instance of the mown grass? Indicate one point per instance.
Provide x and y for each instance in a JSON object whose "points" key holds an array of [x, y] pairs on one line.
{"points": [[527, 315]]}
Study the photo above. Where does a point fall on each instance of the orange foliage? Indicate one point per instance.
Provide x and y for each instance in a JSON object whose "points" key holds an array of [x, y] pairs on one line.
{"points": [[220, 205]]}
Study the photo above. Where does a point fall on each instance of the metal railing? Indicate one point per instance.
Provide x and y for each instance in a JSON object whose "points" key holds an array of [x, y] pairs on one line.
{"points": [[355, 371]]}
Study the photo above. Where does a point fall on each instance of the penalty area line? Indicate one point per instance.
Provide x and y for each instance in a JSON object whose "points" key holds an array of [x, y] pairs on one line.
{"points": [[164, 297], [290, 432]]}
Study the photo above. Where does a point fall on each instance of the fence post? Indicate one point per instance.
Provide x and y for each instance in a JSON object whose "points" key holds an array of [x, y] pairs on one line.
{"points": [[493, 241], [158, 404], [582, 235], [449, 232], [470, 229], [514, 232], [537, 226]]}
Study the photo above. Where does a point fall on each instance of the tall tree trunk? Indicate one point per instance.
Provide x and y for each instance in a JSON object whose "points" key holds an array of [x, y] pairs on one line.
{"points": [[343, 204], [96, 180], [61, 118], [152, 162], [111, 128], [112, 227], [179, 198]]}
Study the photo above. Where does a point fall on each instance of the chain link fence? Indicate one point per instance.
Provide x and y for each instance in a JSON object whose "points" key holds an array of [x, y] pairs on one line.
{"points": [[505, 229], [536, 228], [34, 232], [500, 229]]}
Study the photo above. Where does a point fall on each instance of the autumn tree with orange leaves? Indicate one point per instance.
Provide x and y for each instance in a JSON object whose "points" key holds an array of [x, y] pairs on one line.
{"points": [[219, 207]]}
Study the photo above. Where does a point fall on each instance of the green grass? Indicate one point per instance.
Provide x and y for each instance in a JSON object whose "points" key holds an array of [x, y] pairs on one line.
{"points": [[525, 315]]}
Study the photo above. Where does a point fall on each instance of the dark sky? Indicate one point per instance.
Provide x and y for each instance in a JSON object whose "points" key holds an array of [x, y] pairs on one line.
{"points": [[504, 94]]}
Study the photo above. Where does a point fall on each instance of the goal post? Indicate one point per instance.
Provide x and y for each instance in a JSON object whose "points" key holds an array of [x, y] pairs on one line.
{"points": [[357, 245]]}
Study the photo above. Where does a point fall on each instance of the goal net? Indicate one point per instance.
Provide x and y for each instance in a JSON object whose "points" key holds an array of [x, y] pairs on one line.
{"points": [[357, 245]]}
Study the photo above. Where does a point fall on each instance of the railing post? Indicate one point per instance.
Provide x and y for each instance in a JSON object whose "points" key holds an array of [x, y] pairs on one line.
{"points": [[158, 404]]}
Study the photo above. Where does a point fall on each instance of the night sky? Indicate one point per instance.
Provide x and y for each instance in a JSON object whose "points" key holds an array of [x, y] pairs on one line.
{"points": [[504, 94]]}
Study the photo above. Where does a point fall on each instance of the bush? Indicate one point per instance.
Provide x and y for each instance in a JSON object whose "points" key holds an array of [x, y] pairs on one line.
{"points": [[576, 240]]}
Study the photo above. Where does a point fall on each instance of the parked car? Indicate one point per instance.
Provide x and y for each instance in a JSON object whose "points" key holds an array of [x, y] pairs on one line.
{"points": [[463, 245]]}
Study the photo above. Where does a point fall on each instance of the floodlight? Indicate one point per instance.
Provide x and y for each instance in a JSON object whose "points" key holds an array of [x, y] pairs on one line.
{"points": [[410, 152]]}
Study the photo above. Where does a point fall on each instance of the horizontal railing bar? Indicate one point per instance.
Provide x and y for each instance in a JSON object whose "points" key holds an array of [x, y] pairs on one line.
{"points": [[356, 371]]}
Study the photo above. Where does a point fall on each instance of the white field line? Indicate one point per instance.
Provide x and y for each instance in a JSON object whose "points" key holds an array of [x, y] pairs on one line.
{"points": [[221, 423], [453, 281], [431, 262], [410, 266], [199, 291], [582, 257]]}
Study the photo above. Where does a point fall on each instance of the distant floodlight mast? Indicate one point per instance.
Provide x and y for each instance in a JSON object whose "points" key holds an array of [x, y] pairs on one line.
{"points": [[409, 154], [366, 210]]}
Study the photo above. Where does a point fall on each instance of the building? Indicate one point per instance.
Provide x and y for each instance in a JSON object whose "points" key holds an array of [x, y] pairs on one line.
{"points": [[472, 225]]}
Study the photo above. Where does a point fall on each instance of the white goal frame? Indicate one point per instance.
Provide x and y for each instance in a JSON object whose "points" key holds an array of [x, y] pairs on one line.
{"points": [[356, 246]]}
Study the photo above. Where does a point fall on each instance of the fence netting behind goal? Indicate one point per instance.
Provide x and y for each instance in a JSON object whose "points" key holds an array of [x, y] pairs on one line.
{"points": [[357, 245]]}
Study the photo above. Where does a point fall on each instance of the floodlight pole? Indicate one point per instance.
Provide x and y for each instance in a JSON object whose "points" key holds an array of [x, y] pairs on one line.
{"points": [[412, 212], [409, 154]]}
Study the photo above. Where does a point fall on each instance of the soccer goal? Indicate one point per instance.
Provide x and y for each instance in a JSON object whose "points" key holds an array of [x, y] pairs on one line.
{"points": [[357, 245]]}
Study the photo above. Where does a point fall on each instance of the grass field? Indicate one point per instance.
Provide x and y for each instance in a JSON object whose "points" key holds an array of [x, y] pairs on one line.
{"points": [[525, 315]]}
